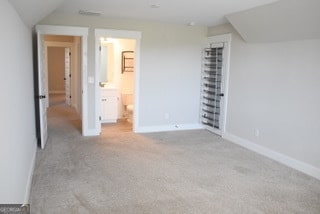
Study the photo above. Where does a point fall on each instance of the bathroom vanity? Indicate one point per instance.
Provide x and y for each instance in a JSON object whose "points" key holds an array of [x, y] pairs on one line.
{"points": [[109, 105]]}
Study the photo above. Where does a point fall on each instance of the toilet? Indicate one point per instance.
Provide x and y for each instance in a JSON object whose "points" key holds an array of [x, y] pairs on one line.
{"points": [[127, 101]]}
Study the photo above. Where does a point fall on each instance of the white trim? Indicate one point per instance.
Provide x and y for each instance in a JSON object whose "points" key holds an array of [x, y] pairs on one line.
{"points": [[220, 38], [226, 82], [62, 30], [83, 33], [281, 158], [58, 44], [123, 34], [226, 40], [91, 132], [30, 174], [178, 127]]}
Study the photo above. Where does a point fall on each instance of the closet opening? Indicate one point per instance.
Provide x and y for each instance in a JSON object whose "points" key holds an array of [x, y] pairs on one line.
{"points": [[214, 85]]}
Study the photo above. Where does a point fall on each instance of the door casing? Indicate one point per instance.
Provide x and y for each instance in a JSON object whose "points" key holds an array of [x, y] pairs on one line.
{"points": [[83, 33], [118, 34], [226, 40]]}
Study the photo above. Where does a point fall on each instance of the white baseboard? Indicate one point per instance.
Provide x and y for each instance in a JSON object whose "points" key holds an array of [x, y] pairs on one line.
{"points": [[30, 175], [279, 157], [177, 127], [91, 132]]}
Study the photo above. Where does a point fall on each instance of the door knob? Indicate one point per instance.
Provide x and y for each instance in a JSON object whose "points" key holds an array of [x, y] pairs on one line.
{"points": [[41, 97]]}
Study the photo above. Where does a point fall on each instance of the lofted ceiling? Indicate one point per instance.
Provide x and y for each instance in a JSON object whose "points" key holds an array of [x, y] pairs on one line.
{"points": [[32, 11], [200, 12], [255, 20], [284, 20]]}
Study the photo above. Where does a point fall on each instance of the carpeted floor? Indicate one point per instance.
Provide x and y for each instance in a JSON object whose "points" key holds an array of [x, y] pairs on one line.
{"points": [[168, 172]]}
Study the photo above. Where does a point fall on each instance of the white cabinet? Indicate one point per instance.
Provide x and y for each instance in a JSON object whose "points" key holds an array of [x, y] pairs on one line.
{"points": [[109, 105]]}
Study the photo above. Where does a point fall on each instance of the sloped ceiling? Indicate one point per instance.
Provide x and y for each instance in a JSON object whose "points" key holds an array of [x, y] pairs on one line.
{"points": [[32, 11], [200, 12], [256, 20], [284, 20]]}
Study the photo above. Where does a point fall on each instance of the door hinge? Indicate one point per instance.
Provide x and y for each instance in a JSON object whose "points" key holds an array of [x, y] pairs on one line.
{"points": [[70, 96], [69, 75], [100, 118], [69, 53], [99, 48]]}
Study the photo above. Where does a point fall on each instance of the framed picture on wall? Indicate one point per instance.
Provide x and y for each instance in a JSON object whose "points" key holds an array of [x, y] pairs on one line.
{"points": [[127, 61]]}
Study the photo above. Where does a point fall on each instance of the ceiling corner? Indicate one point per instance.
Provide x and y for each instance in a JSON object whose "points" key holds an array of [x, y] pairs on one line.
{"points": [[285, 20], [33, 11]]}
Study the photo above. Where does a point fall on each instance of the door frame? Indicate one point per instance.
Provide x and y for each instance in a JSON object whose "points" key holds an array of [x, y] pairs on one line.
{"points": [[83, 33], [118, 34], [226, 39], [40, 95], [68, 72]]}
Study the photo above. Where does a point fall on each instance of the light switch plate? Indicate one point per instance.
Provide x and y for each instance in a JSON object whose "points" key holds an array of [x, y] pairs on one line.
{"points": [[91, 80]]}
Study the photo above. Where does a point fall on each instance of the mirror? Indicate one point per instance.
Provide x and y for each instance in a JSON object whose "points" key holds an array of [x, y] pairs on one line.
{"points": [[106, 62]]}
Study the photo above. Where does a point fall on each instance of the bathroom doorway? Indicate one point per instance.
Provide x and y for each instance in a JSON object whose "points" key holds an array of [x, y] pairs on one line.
{"points": [[116, 61], [117, 70]]}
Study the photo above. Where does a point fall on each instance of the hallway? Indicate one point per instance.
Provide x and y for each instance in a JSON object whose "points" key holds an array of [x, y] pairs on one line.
{"points": [[168, 172]]}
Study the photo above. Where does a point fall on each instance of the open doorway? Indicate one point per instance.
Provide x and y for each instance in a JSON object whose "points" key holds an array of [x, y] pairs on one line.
{"points": [[58, 85], [63, 61], [116, 66], [41, 75], [62, 58], [117, 72]]}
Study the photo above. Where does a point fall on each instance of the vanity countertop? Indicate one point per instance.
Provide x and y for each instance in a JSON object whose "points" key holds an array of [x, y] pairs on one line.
{"points": [[108, 86]]}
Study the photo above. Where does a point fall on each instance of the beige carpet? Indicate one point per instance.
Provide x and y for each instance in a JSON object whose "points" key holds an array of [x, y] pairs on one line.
{"points": [[169, 172], [57, 99]]}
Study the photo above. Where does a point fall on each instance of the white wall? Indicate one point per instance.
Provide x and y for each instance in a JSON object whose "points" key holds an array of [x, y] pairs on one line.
{"points": [[17, 124], [170, 67], [126, 79], [275, 88]]}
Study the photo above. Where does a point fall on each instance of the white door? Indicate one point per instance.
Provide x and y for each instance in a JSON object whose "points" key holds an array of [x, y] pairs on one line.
{"points": [[67, 75], [42, 93]]}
